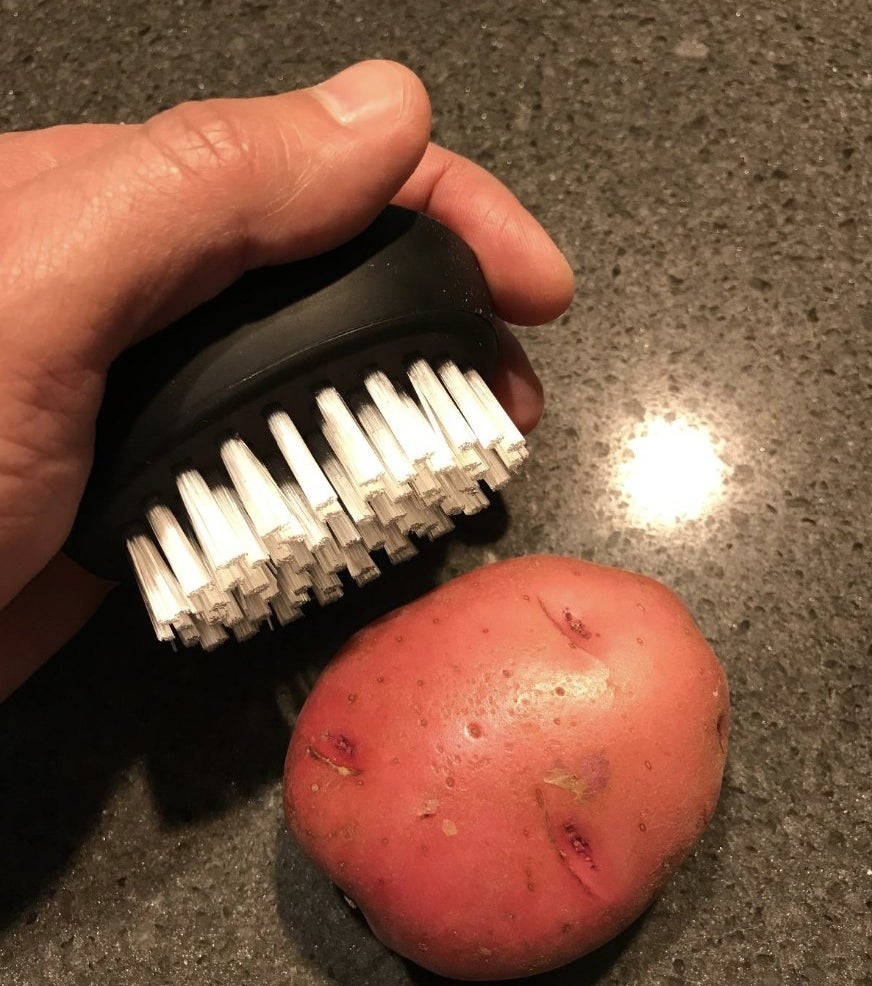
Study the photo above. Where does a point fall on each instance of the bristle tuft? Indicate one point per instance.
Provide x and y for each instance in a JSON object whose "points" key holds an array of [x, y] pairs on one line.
{"points": [[257, 543]]}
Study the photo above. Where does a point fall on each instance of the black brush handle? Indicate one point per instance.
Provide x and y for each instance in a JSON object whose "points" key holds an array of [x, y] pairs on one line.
{"points": [[406, 286]]}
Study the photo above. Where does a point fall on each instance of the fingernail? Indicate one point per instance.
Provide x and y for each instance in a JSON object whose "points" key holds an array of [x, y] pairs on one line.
{"points": [[363, 93]]}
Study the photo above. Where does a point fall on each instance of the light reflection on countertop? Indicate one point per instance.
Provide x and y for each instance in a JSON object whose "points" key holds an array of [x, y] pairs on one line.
{"points": [[670, 471]]}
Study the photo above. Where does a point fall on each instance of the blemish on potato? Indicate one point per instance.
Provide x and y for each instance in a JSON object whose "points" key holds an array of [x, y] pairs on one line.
{"points": [[437, 619], [474, 730], [429, 808], [722, 727], [589, 779], [380, 679], [351, 697], [643, 827], [384, 840], [639, 641], [648, 765], [448, 827], [314, 788], [342, 769], [485, 629], [422, 721], [449, 782], [579, 844], [566, 929], [420, 682], [344, 745], [507, 673], [576, 625], [399, 638], [560, 690]]}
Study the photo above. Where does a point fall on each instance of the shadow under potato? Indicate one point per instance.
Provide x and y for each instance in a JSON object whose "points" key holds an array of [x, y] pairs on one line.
{"points": [[335, 937], [207, 727]]}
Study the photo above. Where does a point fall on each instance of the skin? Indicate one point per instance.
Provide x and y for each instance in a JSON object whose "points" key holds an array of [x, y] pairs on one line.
{"points": [[503, 774], [108, 233]]}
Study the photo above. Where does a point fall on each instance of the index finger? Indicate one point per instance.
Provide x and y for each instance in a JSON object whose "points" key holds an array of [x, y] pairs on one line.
{"points": [[530, 279]]}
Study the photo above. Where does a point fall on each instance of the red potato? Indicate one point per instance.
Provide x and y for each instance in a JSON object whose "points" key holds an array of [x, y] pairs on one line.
{"points": [[503, 774]]}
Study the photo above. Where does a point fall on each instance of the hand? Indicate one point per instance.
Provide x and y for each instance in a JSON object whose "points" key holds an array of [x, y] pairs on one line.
{"points": [[108, 233]]}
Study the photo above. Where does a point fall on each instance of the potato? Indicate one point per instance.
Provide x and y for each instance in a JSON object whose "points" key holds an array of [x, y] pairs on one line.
{"points": [[503, 774]]}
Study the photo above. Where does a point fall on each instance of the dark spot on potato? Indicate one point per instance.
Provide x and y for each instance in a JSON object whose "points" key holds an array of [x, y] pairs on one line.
{"points": [[723, 729], [343, 769], [380, 679], [344, 745], [429, 808], [485, 629], [566, 929], [639, 641], [437, 619], [352, 697], [420, 682], [422, 721], [576, 625], [525, 597], [640, 607], [556, 720], [648, 765], [449, 782], [540, 799], [560, 690], [643, 827], [399, 638], [507, 673], [579, 844], [530, 887], [384, 840], [474, 730]]}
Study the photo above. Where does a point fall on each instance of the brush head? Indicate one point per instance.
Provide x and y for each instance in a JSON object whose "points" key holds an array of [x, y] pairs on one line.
{"points": [[195, 416]]}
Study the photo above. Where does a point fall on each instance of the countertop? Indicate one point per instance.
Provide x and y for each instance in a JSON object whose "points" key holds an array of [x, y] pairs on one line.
{"points": [[706, 168]]}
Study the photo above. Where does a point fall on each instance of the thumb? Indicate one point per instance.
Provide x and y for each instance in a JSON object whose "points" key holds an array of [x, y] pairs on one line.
{"points": [[130, 236]]}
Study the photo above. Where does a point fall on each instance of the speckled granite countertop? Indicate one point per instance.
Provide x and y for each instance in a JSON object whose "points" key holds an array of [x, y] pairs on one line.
{"points": [[708, 174]]}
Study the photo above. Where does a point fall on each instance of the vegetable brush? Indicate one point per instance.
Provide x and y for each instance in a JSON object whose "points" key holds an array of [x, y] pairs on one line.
{"points": [[285, 439]]}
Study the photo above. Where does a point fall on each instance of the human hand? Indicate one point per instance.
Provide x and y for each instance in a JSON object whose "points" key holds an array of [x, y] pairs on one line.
{"points": [[109, 233]]}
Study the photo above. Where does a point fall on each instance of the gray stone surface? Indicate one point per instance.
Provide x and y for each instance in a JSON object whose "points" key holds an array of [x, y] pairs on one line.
{"points": [[707, 169]]}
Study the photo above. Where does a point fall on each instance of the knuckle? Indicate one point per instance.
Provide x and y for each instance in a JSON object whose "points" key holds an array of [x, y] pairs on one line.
{"points": [[202, 140]]}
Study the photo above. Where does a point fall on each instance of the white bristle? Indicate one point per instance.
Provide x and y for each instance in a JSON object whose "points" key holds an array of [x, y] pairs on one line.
{"points": [[214, 532], [484, 427], [257, 543], [160, 589], [314, 484], [441, 410], [351, 446], [186, 562], [397, 463]]}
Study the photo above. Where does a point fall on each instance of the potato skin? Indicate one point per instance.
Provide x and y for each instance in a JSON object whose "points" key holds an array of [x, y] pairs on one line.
{"points": [[504, 773]]}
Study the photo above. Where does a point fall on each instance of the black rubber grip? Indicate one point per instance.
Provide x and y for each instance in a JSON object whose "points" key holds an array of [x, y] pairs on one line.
{"points": [[406, 286]]}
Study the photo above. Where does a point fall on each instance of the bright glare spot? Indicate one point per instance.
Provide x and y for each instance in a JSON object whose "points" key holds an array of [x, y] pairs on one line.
{"points": [[674, 472]]}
